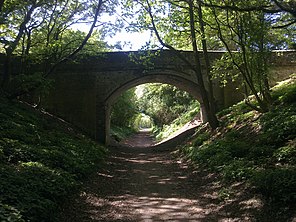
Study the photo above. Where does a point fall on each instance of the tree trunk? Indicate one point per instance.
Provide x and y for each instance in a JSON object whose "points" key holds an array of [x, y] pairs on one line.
{"points": [[206, 58], [212, 119]]}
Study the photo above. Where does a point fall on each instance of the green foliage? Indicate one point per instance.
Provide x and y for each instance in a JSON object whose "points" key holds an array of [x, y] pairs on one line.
{"points": [[9, 214], [278, 125], [44, 34], [248, 37], [219, 154], [124, 114], [143, 121], [169, 107], [34, 189], [224, 194], [258, 149], [286, 154], [40, 163], [124, 110], [238, 170], [164, 106], [276, 184], [121, 132], [285, 92], [200, 138], [168, 129], [144, 58], [234, 112], [25, 82]]}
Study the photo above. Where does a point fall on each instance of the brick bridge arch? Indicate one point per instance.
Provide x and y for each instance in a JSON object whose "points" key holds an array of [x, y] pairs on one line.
{"points": [[85, 88]]}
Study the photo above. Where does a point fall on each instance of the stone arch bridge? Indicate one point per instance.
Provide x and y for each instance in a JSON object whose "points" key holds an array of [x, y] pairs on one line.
{"points": [[84, 90]]}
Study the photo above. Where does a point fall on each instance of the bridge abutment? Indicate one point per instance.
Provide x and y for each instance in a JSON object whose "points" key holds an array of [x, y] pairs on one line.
{"points": [[102, 122]]}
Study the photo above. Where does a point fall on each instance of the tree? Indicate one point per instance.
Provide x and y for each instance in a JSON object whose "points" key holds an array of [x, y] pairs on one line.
{"points": [[41, 31], [246, 35], [125, 110], [163, 18], [164, 103]]}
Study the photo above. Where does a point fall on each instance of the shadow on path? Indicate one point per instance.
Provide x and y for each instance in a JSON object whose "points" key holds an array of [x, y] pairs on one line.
{"points": [[140, 184]]}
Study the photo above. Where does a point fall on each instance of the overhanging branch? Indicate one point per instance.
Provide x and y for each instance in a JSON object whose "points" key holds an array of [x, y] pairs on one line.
{"points": [[83, 43]]}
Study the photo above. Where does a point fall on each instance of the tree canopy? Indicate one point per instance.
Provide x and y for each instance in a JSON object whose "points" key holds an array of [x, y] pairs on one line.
{"points": [[44, 32], [251, 28]]}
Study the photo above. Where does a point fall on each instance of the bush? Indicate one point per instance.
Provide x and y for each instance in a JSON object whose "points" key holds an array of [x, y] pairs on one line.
{"points": [[278, 125], [200, 139], [286, 154], [276, 184], [9, 214], [120, 132], [34, 189], [40, 163], [260, 151], [285, 92], [238, 170]]}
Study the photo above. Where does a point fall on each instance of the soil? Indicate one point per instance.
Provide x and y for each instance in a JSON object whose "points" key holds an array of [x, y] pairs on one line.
{"points": [[138, 183]]}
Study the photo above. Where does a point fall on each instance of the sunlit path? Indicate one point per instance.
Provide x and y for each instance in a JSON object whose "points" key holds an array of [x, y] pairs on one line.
{"points": [[139, 184], [143, 138]]}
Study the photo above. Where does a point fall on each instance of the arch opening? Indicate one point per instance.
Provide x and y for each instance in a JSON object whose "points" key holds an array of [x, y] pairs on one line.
{"points": [[178, 82]]}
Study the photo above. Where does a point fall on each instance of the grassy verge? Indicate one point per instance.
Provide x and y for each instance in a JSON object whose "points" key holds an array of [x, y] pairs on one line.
{"points": [[252, 148], [119, 133], [40, 163], [164, 132]]}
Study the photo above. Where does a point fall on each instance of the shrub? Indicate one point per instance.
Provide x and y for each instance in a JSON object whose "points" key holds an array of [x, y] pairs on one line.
{"points": [[9, 214], [259, 151], [285, 92], [34, 189], [276, 184], [200, 139], [238, 170], [40, 163], [286, 154], [278, 126]]}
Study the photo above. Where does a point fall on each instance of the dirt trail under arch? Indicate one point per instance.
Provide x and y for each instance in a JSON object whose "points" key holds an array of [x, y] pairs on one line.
{"points": [[138, 183]]}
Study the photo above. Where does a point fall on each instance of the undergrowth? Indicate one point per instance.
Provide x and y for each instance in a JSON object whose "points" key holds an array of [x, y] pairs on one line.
{"points": [[40, 163], [119, 133], [258, 149], [165, 131]]}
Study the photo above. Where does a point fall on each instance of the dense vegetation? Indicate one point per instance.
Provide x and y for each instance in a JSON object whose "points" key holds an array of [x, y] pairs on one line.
{"points": [[45, 32], [169, 107], [123, 115], [41, 162], [252, 28], [258, 149], [164, 107]]}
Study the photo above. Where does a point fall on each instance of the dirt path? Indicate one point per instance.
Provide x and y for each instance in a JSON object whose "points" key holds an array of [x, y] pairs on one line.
{"points": [[139, 184]]}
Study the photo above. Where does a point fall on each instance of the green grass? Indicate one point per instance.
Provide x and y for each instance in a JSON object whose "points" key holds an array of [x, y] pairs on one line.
{"points": [[119, 133], [258, 149], [41, 163], [165, 131]]}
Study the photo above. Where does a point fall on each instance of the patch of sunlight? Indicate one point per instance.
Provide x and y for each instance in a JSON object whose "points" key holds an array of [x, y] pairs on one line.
{"points": [[140, 90], [286, 82], [144, 123]]}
